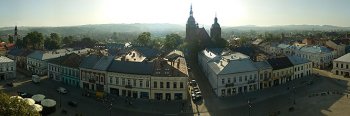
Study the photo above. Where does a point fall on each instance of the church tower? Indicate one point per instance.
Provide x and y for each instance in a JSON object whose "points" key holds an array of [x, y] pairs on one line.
{"points": [[191, 26], [15, 36], [215, 30]]}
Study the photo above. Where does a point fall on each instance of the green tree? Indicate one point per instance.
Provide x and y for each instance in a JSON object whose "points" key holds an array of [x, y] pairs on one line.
{"points": [[34, 40], [10, 39], [15, 107], [87, 42], [68, 40], [144, 38], [56, 39], [172, 41]]}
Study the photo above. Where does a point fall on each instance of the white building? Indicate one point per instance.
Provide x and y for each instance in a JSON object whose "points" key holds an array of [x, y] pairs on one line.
{"points": [[302, 67], [37, 61], [229, 74], [341, 66], [7, 68], [319, 55]]}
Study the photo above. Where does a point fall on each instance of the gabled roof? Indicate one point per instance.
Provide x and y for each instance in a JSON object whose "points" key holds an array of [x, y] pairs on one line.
{"points": [[5, 59], [345, 58], [233, 66], [96, 62], [19, 52], [295, 60], [262, 65], [315, 49], [89, 61], [71, 60], [40, 55], [280, 63], [141, 68]]}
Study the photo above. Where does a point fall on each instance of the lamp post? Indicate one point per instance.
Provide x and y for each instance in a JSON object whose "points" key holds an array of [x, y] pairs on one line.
{"points": [[249, 107], [110, 109], [59, 92]]}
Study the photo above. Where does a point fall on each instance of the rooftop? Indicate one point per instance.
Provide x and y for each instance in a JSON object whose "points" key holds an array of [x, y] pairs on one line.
{"points": [[71, 60], [345, 58], [315, 49], [295, 60], [280, 63], [5, 59]]}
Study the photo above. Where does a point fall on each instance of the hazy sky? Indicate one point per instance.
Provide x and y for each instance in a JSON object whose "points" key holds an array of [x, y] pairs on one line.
{"points": [[229, 12]]}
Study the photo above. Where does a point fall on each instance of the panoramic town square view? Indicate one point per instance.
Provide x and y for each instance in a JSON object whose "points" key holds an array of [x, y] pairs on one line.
{"points": [[174, 58]]}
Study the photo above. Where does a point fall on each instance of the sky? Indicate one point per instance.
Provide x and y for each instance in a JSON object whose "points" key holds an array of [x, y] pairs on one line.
{"points": [[229, 12]]}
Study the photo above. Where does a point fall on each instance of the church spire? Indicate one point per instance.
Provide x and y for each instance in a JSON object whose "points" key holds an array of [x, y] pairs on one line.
{"points": [[191, 12], [16, 30], [215, 19]]}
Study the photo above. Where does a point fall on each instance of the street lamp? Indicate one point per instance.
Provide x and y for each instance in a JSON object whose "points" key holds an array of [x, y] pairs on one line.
{"points": [[110, 109], [249, 106]]}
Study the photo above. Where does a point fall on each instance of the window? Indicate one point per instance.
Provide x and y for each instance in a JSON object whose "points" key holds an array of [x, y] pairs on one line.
{"points": [[147, 83], [251, 77], [341, 65], [223, 81], [245, 78], [141, 83], [240, 79], [129, 82], [161, 85], [229, 80], [117, 80], [167, 84], [347, 66], [174, 85], [110, 79], [155, 84], [134, 82], [261, 76], [123, 81], [181, 85], [234, 79]]}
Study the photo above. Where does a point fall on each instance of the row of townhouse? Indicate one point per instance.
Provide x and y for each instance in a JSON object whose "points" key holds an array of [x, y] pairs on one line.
{"points": [[130, 75], [37, 61], [320, 56], [230, 73]]}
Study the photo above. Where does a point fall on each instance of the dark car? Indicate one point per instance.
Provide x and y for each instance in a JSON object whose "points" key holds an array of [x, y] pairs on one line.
{"points": [[10, 84], [24, 94], [73, 103]]}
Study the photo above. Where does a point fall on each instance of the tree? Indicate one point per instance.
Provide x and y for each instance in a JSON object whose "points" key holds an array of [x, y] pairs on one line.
{"points": [[10, 39], [88, 42], [52, 42], [144, 38], [15, 107], [34, 40], [68, 40], [172, 41]]}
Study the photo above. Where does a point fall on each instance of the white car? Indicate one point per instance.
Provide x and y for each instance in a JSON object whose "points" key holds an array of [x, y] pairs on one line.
{"points": [[62, 90]]}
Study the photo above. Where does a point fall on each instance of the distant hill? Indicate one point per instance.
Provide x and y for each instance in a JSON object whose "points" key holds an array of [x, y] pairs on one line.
{"points": [[104, 31], [291, 27]]}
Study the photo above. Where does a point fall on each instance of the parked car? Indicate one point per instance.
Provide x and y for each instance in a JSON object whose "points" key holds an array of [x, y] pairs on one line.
{"points": [[73, 103], [62, 90], [10, 84]]}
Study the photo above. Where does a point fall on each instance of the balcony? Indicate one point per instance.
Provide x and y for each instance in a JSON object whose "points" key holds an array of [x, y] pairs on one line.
{"points": [[230, 85], [92, 80], [251, 81], [128, 86]]}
